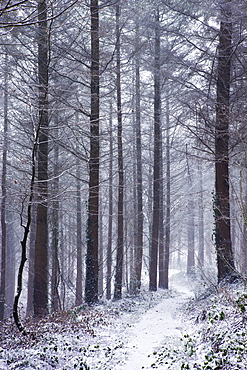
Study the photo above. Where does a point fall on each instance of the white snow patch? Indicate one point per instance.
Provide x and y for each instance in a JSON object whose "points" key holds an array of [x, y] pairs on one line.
{"points": [[159, 325], [3, 365], [125, 340]]}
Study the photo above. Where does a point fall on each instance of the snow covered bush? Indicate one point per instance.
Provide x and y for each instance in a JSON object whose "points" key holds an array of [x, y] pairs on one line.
{"points": [[217, 340]]}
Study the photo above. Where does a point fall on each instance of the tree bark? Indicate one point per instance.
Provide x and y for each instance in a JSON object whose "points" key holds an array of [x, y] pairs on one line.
{"points": [[139, 231], [91, 283], [191, 225], [225, 260], [78, 296], [201, 220], [168, 198], [40, 297], [55, 299], [161, 220], [156, 166], [110, 199], [63, 267], [29, 310], [244, 236], [4, 193], [120, 246], [101, 253], [25, 236], [10, 263]]}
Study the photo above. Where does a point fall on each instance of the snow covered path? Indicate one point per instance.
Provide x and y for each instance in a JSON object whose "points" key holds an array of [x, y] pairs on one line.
{"points": [[158, 326], [123, 336]]}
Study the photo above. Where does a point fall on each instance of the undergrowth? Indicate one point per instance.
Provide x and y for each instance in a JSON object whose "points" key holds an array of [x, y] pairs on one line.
{"points": [[72, 339], [217, 340]]}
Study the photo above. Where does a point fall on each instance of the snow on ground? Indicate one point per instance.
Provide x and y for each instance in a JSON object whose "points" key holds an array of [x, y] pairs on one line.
{"points": [[145, 329], [157, 326], [119, 335], [3, 365], [163, 330]]}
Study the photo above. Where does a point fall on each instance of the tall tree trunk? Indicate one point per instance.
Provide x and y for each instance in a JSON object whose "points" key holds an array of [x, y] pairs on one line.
{"points": [[244, 236], [91, 283], [234, 223], [55, 299], [101, 256], [40, 297], [62, 267], [120, 247], [3, 188], [78, 295], [70, 249], [24, 242], [29, 310], [26, 228], [133, 228], [168, 198], [150, 192], [161, 221], [139, 231], [201, 220], [10, 263], [110, 199], [225, 260], [126, 266], [191, 226], [156, 166]]}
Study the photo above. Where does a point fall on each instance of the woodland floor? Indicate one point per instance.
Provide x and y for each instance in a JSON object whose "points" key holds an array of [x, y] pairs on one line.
{"points": [[175, 329]]}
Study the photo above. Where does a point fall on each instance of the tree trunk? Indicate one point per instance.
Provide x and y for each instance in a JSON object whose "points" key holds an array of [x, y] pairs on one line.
{"points": [[70, 250], [191, 225], [3, 202], [25, 235], [120, 247], [244, 236], [110, 198], [191, 237], [168, 198], [101, 257], [156, 166], [62, 267], [29, 310], [132, 229], [55, 299], [201, 220], [139, 231], [78, 295], [161, 221], [225, 260], [10, 263], [40, 297], [91, 283], [150, 193]]}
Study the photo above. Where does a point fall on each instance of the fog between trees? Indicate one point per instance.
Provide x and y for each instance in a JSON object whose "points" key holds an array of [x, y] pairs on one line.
{"points": [[123, 148]]}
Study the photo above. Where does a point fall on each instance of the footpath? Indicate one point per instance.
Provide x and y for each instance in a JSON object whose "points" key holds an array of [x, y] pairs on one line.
{"points": [[159, 326]]}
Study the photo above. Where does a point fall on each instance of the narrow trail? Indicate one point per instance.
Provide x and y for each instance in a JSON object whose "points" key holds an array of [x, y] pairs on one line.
{"points": [[158, 326], [125, 342]]}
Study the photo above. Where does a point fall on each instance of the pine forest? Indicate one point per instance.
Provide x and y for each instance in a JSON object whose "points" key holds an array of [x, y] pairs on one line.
{"points": [[123, 170]]}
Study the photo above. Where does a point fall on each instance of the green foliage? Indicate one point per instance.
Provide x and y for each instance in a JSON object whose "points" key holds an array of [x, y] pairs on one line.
{"points": [[220, 341], [216, 315], [80, 365], [241, 302], [189, 345]]}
